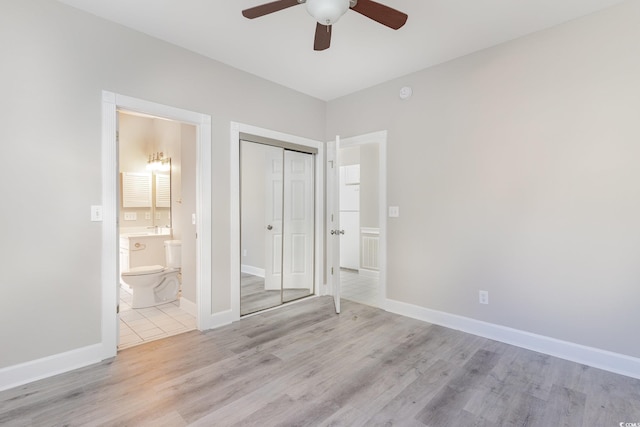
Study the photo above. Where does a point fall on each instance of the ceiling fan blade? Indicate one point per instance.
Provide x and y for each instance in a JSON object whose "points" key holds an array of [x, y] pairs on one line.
{"points": [[380, 13], [323, 37], [267, 8]]}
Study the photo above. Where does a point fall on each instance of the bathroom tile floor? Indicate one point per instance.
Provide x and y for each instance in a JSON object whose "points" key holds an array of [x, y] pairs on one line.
{"points": [[359, 288], [141, 325]]}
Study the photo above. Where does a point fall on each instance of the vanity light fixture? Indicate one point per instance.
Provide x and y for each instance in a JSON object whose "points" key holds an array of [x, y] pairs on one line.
{"points": [[157, 162]]}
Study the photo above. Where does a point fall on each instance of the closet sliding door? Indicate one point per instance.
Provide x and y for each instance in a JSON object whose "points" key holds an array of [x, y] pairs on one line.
{"points": [[277, 226], [298, 255]]}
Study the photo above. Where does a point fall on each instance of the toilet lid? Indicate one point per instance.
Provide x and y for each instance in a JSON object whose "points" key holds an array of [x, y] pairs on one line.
{"points": [[146, 269]]}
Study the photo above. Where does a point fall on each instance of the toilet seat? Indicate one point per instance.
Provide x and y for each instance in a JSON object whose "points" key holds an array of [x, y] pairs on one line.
{"points": [[145, 269]]}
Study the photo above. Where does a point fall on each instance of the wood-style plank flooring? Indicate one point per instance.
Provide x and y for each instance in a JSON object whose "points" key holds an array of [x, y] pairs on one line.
{"points": [[305, 365]]}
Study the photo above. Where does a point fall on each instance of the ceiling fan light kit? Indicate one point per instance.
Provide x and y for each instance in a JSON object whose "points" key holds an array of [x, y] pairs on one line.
{"points": [[328, 12]]}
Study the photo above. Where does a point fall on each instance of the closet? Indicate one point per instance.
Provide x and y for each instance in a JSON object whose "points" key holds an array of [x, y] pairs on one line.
{"points": [[277, 224]]}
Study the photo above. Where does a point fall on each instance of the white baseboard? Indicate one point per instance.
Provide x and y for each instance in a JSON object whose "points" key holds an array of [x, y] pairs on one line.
{"points": [[189, 306], [254, 271], [597, 358], [217, 320], [23, 373]]}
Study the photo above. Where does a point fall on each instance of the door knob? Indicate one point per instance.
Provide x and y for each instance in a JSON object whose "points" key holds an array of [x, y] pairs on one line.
{"points": [[269, 227]]}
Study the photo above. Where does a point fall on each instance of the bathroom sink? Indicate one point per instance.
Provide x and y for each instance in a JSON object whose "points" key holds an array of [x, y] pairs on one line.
{"points": [[144, 234]]}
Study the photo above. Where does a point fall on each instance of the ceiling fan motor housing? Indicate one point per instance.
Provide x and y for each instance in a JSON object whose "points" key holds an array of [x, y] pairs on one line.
{"points": [[327, 12]]}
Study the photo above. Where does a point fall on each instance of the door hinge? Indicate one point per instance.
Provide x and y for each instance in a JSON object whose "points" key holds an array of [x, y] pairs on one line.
{"points": [[331, 270]]}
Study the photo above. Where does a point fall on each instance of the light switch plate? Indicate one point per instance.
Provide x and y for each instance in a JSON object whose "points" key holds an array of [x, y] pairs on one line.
{"points": [[96, 213], [130, 216], [394, 211], [193, 219]]}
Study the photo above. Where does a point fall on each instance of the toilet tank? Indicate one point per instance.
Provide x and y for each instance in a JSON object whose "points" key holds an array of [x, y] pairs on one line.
{"points": [[173, 253]]}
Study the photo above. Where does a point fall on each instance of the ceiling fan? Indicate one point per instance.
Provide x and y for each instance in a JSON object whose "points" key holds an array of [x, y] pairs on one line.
{"points": [[327, 13]]}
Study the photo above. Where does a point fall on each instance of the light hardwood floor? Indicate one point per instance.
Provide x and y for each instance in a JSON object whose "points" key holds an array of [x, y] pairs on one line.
{"points": [[305, 365]]}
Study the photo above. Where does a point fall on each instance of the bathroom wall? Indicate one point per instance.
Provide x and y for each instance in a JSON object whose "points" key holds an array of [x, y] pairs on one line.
{"points": [[136, 137], [56, 63]]}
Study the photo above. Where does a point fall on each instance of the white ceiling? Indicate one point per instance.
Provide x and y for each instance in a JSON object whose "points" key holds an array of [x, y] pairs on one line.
{"points": [[279, 46]]}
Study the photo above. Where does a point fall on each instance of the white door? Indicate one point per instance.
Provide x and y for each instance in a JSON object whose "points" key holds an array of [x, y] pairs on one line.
{"points": [[273, 217], [298, 228], [333, 221]]}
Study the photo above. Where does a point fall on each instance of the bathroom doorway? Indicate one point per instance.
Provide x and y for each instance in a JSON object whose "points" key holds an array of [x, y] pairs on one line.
{"points": [[111, 196], [156, 158], [277, 224]]}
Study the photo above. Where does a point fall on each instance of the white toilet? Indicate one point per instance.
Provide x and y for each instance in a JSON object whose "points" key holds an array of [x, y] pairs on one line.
{"points": [[153, 285]]}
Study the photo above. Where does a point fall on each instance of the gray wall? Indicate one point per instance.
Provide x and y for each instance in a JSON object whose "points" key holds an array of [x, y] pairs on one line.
{"points": [[516, 171], [369, 187], [56, 61]]}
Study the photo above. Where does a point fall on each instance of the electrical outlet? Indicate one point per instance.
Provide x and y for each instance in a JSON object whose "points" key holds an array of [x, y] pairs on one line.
{"points": [[147, 215], [483, 297]]}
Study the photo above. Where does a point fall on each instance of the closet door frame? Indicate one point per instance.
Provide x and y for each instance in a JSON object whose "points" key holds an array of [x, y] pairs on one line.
{"points": [[240, 131]]}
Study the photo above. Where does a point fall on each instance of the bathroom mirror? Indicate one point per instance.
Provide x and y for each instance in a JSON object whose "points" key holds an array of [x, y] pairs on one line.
{"points": [[146, 198], [162, 198]]}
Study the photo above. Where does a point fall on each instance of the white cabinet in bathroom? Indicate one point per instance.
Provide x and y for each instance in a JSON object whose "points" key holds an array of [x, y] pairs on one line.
{"points": [[136, 251]]}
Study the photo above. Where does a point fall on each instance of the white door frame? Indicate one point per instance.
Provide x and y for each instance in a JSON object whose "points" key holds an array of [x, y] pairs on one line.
{"points": [[234, 209], [379, 138], [111, 102]]}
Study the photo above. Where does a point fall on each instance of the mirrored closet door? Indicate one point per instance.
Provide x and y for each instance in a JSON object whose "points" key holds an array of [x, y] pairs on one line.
{"points": [[277, 225]]}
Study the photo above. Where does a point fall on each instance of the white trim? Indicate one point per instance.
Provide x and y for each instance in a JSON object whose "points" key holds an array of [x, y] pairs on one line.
{"points": [[218, 320], [254, 271], [110, 243], [23, 373], [189, 306], [234, 208], [111, 103], [597, 358], [380, 138]]}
